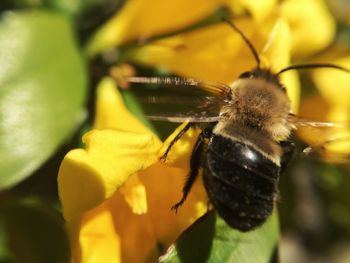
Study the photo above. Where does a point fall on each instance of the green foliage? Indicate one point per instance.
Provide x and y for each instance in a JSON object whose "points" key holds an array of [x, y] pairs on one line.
{"points": [[210, 239], [31, 232], [43, 87]]}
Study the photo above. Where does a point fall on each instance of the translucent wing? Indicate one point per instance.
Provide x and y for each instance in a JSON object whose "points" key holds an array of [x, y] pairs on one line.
{"points": [[326, 140], [179, 99], [334, 150], [211, 86]]}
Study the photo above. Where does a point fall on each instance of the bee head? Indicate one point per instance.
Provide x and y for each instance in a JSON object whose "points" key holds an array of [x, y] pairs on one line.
{"points": [[265, 74]]}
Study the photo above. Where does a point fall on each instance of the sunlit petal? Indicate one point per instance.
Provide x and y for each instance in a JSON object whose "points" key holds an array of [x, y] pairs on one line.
{"points": [[277, 54], [181, 151], [111, 112], [258, 9], [141, 19], [218, 53], [164, 187], [334, 86], [87, 177], [215, 52], [334, 106], [135, 194], [136, 231], [311, 23], [93, 237]]}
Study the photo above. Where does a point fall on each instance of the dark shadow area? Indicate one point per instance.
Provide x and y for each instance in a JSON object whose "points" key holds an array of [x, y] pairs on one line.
{"points": [[194, 245], [275, 256]]}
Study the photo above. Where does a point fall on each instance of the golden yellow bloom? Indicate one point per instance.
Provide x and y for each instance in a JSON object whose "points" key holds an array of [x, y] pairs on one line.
{"points": [[312, 25], [142, 19], [332, 106], [147, 18], [115, 194], [218, 53], [259, 10], [334, 86]]}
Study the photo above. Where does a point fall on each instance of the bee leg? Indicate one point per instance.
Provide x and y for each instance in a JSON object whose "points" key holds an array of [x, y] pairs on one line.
{"points": [[289, 150], [177, 137], [195, 164]]}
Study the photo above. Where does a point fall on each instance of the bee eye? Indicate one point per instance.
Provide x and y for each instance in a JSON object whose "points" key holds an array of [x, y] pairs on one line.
{"points": [[245, 75]]}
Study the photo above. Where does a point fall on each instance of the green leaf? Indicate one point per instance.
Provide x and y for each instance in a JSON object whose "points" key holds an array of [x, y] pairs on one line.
{"points": [[68, 7], [210, 239], [32, 232], [71, 7], [42, 90], [77, 7], [11, 4]]}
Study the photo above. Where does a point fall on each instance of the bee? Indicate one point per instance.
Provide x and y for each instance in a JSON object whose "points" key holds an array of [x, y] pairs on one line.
{"points": [[243, 146]]}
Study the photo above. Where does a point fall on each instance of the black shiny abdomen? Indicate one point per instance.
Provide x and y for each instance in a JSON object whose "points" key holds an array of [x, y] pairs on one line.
{"points": [[240, 181]]}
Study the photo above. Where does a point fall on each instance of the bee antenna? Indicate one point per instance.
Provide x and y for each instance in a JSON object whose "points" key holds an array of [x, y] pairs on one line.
{"points": [[318, 65], [246, 40]]}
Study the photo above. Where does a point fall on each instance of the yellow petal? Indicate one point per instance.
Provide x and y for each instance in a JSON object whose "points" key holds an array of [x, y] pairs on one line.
{"points": [[334, 86], [277, 47], [164, 187], [141, 19], [215, 52], [291, 81], [135, 195], [136, 232], [312, 25], [218, 53], [111, 112], [164, 183], [93, 237], [308, 106], [114, 221], [180, 153], [258, 9], [87, 177], [277, 51]]}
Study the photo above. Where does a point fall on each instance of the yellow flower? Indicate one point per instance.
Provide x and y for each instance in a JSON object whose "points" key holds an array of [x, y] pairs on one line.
{"points": [[218, 53], [116, 195], [142, 19], [333, 105], [334, 86], [312, 25], [146, 18]]}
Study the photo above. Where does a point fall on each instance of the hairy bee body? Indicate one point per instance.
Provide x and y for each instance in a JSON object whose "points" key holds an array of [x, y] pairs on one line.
{"points": [[242, 158], [242, 152], [241, 182]]}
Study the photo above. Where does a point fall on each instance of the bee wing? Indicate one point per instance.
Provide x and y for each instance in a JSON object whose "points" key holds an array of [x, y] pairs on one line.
{"points": [[339, 155], [326, 140], [179, 99]]}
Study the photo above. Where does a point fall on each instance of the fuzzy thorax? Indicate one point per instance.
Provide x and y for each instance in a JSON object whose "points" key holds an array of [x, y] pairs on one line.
{"points": [[259, 105]]}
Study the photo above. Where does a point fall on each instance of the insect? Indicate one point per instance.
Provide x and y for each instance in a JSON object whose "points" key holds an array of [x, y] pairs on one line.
{"points": [[243, 146]]}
